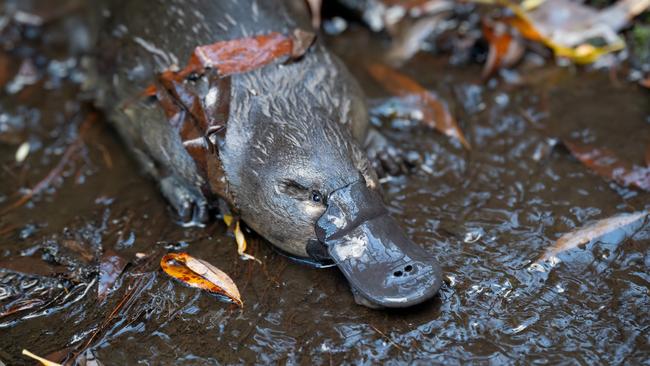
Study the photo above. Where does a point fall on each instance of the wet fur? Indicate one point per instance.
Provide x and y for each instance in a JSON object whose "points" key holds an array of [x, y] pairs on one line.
{"points": [[296, 123]]}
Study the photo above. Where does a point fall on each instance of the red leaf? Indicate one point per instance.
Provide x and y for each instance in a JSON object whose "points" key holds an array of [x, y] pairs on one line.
{"points": [[609, 166]]}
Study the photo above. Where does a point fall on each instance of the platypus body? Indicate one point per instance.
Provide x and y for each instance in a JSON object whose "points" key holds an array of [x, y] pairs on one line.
{"points": [[287, 155]]}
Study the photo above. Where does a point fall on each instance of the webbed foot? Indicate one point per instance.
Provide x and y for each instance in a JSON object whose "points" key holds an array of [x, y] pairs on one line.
{"points": [[190, 205], [388, 159]]}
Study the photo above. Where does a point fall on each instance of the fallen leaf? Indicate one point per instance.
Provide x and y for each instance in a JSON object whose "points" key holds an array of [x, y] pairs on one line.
{"points": [[605, 163], [505, 48], [625, 223], [315, 11], [647, 155], [240, 239], [43, 361], [435, 113], [569, 28], [243, 54], [200, 274], [110, 268]]}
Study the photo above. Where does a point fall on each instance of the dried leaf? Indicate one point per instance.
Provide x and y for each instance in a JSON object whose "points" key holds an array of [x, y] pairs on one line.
{"points": [[43, 361], [625, 224], [239, 238], [315, 11], [435, 113], [200, 274], [110, 268], [605, 163], [505, 49]]}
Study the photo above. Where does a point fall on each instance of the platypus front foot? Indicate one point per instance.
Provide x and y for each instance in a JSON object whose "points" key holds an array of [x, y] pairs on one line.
{"points": [[388, 159], [190, 205]]}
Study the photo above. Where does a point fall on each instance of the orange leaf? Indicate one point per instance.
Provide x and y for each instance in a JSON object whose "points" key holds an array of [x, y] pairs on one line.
{"points": [[435, 113], [200, 274], [609, 166], [505, 50]]}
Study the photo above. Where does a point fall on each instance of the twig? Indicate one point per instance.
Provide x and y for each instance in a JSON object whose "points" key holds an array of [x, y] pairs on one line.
{"points": [[389, 339], [57, 170]]}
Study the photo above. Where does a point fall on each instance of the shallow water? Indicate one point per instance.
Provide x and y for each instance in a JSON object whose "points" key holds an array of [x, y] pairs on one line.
{"points": [[486, 214]]}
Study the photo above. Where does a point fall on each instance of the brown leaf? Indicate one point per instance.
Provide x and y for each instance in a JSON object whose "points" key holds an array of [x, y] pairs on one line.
{"points": [[239, 55], [626, 223], [435, 113], [647, 156], [110, 268], [200, 274], [605, 163]]}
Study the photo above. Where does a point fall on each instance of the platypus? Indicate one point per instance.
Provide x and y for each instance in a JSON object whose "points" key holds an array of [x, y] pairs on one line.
{"points": [[282, 148]]}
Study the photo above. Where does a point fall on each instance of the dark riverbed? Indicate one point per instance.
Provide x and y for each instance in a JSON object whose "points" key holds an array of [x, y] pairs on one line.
{"points": [[486, 214]]}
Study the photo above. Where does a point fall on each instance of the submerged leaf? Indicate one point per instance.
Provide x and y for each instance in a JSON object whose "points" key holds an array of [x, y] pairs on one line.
{"points": [[435, 113], [596, 230], [110, 268], [605, 163], [200, 274]]}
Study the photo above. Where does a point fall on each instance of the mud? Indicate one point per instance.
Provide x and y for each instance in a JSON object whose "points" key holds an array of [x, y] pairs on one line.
{"points": [[490, 211]]}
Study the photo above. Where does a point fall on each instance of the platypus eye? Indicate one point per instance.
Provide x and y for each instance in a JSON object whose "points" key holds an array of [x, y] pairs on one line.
{"points": [[316, 196]]}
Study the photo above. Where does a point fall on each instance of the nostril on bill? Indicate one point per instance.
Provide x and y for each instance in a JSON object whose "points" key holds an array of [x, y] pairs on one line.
{"points": [[399, 273]]}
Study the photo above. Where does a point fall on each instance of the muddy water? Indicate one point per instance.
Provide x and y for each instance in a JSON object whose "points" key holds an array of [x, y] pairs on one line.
{"points": [[485, 214]]}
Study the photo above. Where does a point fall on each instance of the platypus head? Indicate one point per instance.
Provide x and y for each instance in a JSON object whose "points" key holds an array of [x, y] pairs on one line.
{"points": [[301, 180]]}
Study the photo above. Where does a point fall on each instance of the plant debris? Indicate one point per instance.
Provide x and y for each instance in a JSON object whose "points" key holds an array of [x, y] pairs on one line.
{"points": [[572, 29], [200, 274]]}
